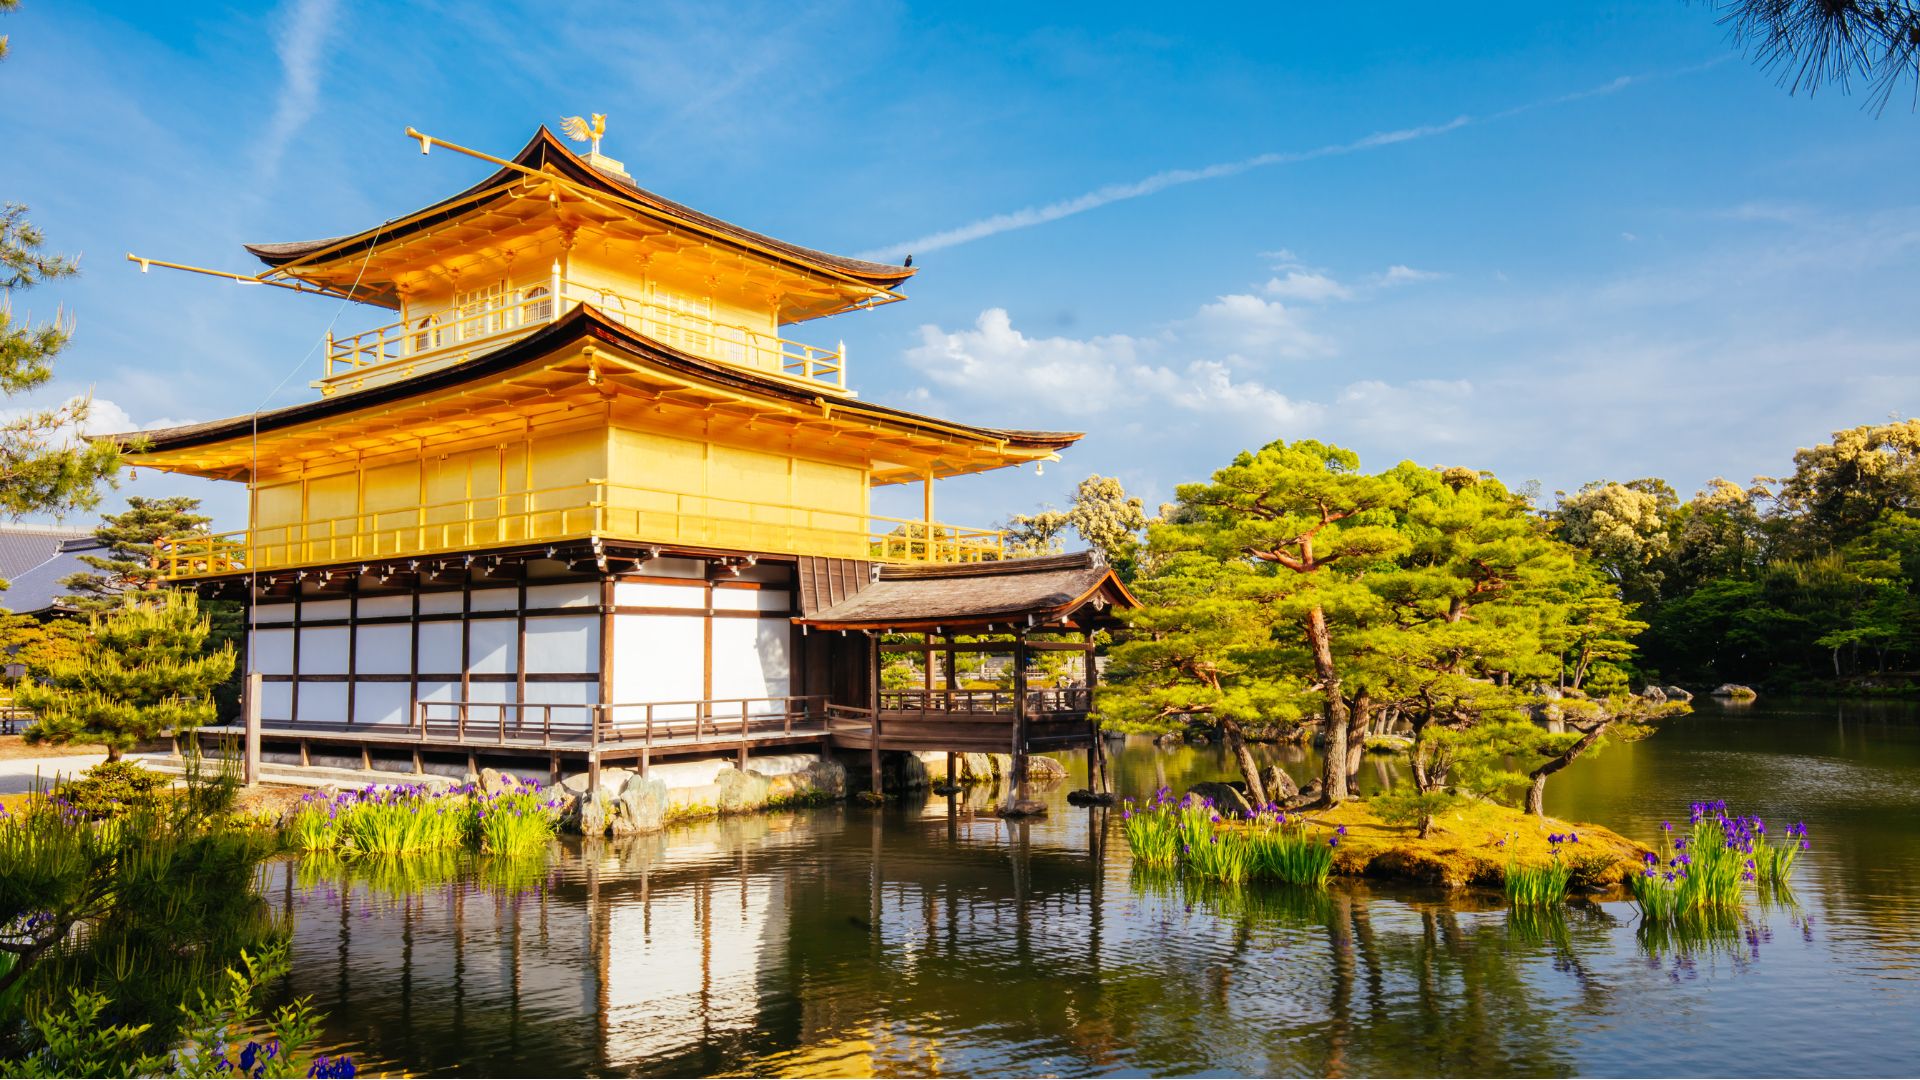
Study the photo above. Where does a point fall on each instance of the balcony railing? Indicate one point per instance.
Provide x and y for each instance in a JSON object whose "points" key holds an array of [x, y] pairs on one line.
{"points": [[595, 508], [428, 341]]}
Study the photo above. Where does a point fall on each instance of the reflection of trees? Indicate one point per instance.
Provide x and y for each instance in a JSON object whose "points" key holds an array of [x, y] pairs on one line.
{"points": [[913, 941]]}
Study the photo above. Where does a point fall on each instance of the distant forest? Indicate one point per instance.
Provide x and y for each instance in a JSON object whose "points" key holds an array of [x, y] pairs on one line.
{"points": [[1801, 581]]}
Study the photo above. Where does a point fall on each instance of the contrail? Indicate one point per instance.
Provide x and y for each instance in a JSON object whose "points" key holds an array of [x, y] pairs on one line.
{"points": [[300, 44], [1160, 181]]}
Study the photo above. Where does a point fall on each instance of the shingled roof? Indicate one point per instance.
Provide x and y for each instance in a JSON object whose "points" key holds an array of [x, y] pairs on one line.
{"points": [[584, 322], [1038, 592], [544, 151]]}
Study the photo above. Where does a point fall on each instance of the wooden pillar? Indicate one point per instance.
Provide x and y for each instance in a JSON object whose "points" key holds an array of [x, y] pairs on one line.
{"points": [[1099, 740], [251, 708], [873, 699], [1017, 780]]}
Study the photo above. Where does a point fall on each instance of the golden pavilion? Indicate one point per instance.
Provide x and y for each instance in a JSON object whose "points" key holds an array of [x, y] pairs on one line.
{"points": [[582, 498]]}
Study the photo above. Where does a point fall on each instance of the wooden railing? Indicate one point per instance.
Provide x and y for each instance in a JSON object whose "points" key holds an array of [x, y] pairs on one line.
{"points": [[641, 725], [427, 340], [1040, 701], [592, 509]]}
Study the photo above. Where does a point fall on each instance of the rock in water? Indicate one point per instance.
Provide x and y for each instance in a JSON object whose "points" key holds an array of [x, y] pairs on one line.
{"points": [[1045, 770], [592, 819], [1735, 691], [1654, 694], [1083, 797], [641, 806], [1280, 786], [1021, 808], [1674, 693], [1226, 798]]}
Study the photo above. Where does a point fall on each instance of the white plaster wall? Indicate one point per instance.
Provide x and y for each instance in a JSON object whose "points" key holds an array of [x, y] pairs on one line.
{"points": [[323, 651], [440, 647], [751, 659], [493, 646], [385, 649], [563, 644], [576, 594], [648, 594], [658, 658], [387, 703], [272, 652]]}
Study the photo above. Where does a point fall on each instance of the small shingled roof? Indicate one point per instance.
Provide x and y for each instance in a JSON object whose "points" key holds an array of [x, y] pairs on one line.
{"points": [[36, 589], [546, 151], [1046, 590]]}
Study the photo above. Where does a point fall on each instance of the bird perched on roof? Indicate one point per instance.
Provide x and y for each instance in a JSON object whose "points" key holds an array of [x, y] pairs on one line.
{"points": [[579, 130]]}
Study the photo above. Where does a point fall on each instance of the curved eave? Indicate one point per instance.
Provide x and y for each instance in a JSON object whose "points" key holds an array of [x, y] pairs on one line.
{"points": [[1041, 593], [583, 324], [544, 151]]}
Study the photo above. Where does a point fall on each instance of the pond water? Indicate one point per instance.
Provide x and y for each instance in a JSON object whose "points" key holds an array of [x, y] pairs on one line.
{"points": [[923, 939]]}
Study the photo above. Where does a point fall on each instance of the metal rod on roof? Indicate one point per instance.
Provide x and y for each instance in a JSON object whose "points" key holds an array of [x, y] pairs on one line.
{"points": [[244, 279]]}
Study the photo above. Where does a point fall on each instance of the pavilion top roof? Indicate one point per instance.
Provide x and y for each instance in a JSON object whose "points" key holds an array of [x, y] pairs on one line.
{"points": [[568, 177]]}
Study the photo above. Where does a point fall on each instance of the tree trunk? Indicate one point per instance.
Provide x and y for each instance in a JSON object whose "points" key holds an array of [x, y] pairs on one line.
{"points": [[1237, 744], [1537, 779], [113, 753], [1360, 718], [1333, 775], [1426, 826]]}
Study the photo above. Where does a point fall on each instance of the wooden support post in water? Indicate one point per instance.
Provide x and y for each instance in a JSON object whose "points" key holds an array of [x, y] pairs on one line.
{"points": [[1099, 752], [252, 707], [1018, 778], [873, 700]]}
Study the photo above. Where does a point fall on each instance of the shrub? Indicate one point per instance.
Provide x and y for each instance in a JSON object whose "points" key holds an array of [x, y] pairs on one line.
{"points": [[111, 788]]}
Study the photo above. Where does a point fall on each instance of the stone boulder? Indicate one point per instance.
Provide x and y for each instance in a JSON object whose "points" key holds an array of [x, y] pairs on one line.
{"points": [[1224, 797], [1045, 770], [1280, 786], [1735, 691], [1022, 808], [641, 807], [590, 816], [741, 791], [1654, 694], [1083, 797], [1674, 693]]}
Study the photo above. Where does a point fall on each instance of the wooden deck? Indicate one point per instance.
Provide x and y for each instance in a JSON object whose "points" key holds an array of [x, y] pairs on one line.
{"points": [[956, 721]]}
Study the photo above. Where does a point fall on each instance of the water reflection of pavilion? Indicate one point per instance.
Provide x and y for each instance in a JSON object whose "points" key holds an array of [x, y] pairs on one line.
{"points": [[921, 941]]}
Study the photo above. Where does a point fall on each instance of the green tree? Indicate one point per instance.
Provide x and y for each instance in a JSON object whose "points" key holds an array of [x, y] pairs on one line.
{"points": [[1304, 510], [145, 670], [44, 465], [1103, 515], [1623, 528], [129, 537], [1201, 647], [1838, 489]]}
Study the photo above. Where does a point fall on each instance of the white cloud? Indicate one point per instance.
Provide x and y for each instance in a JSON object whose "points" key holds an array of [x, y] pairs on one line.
{"points": [[1307, 286], [1424, 410], [1247, 324], [995, 358], [1407, 275]]}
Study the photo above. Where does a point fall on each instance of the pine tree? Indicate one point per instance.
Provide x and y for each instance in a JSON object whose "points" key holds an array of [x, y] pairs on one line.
{"points": [[129, 537], [1305, 510], [145, 670], [44, 465]]}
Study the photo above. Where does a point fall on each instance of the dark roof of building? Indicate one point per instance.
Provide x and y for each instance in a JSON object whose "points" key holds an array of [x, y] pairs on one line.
{"points": [[36, 588], [24, 546], [1035, 591], [582, 321], [544, 151]]}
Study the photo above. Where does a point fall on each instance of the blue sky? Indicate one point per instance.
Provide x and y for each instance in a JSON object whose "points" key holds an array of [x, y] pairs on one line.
{"points": [[1557, 241]]}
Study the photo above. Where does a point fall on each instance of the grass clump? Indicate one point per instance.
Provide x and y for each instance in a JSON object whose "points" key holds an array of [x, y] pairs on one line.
{"points": [[1192, 835], [410, 819], [1701, 875], [1537, 885]]}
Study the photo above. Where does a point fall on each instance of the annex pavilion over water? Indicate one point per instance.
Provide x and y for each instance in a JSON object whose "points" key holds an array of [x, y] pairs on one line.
{"points": [[580, 500]]}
